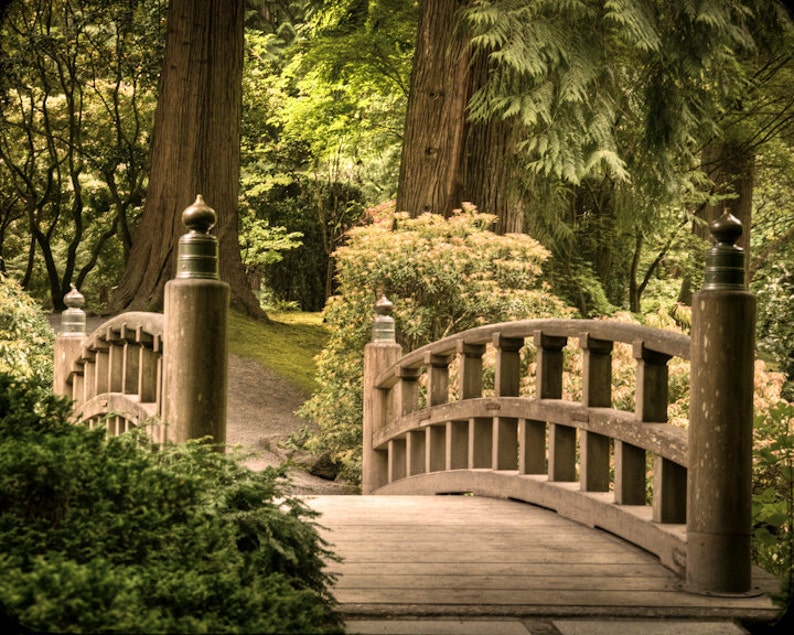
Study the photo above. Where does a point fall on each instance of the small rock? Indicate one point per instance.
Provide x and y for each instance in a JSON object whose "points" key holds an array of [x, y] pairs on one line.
{"points": [[324, 467]]}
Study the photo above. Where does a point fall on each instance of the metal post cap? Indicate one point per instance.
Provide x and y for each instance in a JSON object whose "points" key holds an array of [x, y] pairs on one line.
{"points": [[73, 318], [383, 325], [197, 253], [199, 216], [725, 261]]}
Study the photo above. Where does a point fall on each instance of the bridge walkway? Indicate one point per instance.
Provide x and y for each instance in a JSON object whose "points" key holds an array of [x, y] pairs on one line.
{"points": [[477, 558]]}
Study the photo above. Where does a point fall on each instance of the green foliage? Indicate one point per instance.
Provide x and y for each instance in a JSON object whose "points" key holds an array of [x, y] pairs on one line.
{"points": [[321, 212], [102, 534], [78, 90], [25, 336], [773, 491], [443, 276], [772, 257], [579, 75]]}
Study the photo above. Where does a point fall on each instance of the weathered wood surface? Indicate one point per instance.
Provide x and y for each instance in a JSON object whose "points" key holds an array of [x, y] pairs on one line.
{"points": [[468, 555]]}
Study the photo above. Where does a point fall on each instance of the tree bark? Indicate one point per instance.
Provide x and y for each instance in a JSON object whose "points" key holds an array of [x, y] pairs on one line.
{"points": [[196, 150], [446, 158], [488, 162], [430, 169]]}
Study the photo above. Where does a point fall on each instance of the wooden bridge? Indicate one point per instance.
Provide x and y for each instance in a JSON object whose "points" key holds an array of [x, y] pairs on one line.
{"points": [[620, 512]]}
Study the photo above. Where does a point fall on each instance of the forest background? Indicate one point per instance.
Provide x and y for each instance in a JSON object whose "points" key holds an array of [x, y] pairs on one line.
{"points": [[611, 144]]}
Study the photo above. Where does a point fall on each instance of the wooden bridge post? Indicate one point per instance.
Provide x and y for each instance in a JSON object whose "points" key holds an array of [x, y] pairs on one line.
{"points": [[379, 354], [721, 421], [68, 342], [195, 334]]}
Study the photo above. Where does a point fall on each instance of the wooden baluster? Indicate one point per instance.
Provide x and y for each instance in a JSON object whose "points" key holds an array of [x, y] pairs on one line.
{"points": [[596, 393], [650, 400], [669, 491], [562, 439], [89, 375], [437, 379], [131, 361], [147, 367], [436, 447], [531, 446], [397, 460], [102, 370], [507, 382], [480, 443], [416, 448], [116, 361], [159, 379], [434, 439], [469, 387], [78, 387], [549, 365], [406, 391], [629, 474], [470, 370]]}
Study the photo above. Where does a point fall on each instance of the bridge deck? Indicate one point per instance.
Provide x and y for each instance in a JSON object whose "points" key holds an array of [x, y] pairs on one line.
{"points": [[464, 555]]}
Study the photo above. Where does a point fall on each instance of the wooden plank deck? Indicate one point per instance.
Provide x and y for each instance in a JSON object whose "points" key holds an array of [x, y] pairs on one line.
{"points": [[465, 555]]}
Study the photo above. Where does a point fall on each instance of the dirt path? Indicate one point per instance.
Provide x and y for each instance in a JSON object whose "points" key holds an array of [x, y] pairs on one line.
{"points": [[260, 417]]}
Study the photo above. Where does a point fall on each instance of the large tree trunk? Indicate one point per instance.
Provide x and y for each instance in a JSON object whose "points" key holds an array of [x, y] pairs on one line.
{"points": [[196, 150], [488, 162], [430, 169], [447, 159], [730, 168]]}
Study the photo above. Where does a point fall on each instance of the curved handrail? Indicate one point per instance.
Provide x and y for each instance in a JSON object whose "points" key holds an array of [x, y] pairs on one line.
{"points": [[665, 342]]}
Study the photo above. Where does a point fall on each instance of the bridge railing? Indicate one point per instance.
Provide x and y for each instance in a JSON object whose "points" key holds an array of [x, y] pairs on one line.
{"points": [[586, 459], [463, 441], [114, 375], [167, 371]]}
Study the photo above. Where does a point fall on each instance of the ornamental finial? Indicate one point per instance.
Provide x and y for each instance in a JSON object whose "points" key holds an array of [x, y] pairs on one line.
{"points": [[725, 261], [73, 318], [383, 325], [197, 252]]}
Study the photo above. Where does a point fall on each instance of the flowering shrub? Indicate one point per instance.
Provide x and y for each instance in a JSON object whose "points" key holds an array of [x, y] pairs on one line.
{"points": [[443, 276]]}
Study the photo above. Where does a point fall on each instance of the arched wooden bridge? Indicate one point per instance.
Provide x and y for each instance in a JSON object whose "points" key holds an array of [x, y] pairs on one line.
{"points": [[564, 504]]}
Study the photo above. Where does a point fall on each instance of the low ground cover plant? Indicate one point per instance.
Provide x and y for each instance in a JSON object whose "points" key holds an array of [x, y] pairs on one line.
{"points": [[104, 534]]}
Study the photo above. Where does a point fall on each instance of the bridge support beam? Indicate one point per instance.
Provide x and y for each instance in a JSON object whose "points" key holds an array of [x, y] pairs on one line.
{"points": [[719, 513], [195, 351]]}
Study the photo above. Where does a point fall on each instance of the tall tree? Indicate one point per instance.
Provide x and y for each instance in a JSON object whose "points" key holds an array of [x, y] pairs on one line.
{"points": [[571, 94], [196, 150], [430, 170], [449, 158]]}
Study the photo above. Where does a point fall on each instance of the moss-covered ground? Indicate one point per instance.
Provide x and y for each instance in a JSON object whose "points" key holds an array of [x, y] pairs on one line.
{"points": [[287, 345]]}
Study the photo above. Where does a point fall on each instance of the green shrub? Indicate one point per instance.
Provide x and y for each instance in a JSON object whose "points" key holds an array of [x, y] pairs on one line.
{"points": [[104, 534], [443, 276], [25, 336]]}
